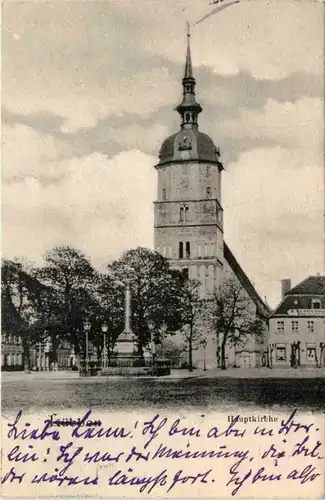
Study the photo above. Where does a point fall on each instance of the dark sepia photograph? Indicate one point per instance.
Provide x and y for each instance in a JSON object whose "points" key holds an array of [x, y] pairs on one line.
{"points": [[162, 204], [163, 226]]}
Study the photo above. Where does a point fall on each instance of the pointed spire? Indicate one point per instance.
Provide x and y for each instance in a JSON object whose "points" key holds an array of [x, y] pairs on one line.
{"points": [[189, 108], [188, 65]]}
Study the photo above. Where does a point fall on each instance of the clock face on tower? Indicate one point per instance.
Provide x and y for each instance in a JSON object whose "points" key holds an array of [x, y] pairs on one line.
{"points": [[185, 155]]}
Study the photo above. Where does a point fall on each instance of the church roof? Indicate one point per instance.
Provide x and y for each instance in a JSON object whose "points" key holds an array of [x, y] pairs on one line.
{"points": [[200, 147], [262, 308]]}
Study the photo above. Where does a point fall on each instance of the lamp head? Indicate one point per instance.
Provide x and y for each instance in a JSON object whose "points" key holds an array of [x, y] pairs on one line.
{"points": [[87, 326], [104, 328]]}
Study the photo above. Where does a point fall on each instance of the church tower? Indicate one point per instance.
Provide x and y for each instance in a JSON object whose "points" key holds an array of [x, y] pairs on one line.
{"points": [[188, 227]]}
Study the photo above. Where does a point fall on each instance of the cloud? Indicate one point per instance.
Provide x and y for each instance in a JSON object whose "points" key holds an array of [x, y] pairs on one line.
{"points": [[101, 206], [26, 154], [274, 205], [298, 127], [268, 39], [100, 59]]}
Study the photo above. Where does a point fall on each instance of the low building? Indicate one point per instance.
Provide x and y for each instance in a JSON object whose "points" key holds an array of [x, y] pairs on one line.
{"points": [[41, 355], [297, 326]]}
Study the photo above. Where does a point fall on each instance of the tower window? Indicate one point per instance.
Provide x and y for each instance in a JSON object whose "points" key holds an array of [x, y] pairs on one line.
{"points": [[208, 192], [188, 249], [205, 250], [183, 213], [164, 194], [187, 117], [180, 250]]}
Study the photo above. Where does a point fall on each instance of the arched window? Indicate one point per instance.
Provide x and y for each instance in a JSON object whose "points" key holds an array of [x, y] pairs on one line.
{"points": [[180, 250], [164, 251], [170, 252], [183, 213], [206, 250], [199, 251], [188, 249], [187, 117], [164, 194], [208, 192]]}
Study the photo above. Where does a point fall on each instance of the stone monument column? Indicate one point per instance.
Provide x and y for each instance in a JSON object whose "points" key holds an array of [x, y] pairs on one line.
{"points": [[125, 345]]}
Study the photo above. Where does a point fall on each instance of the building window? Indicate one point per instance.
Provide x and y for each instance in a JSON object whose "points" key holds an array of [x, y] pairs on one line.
{"points": [[280, 326], [295, 326], [311, 326], [188, 249], [180, 250], [316, 304], [185, 272], [170, 251], [208, 171], [199, 251], [206, 251], [311, 353], [208, 192], [164, 194], [281, 353]]}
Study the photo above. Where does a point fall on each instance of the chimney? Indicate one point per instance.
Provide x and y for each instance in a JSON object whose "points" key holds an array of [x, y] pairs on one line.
{"points": [[285, 287]]}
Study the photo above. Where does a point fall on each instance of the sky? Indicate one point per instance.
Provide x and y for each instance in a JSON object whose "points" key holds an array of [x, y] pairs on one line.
{"points": [[88, 94]]}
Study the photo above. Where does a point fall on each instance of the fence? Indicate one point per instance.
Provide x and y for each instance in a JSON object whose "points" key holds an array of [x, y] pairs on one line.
{"points": [[125, 366]]}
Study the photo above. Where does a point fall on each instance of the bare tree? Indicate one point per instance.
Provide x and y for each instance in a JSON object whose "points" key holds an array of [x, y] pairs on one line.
{"points": [[193, 312], [233, 317]]}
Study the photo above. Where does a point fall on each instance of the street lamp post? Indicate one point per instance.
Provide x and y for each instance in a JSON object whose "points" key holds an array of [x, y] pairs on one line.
{"points": [[204, 344], [104, 329], [87, 327], [40, 356], [153, 344]]}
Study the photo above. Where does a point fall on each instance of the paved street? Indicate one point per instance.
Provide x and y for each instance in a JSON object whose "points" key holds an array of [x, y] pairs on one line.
{"points": [[196, 390]]}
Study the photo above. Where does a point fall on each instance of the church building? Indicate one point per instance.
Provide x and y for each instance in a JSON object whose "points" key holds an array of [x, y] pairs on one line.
{"points": [[188, 216]]}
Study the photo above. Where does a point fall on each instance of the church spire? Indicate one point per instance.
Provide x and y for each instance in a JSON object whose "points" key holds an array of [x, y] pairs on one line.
{"points": [[189, 108], [188, 65]]}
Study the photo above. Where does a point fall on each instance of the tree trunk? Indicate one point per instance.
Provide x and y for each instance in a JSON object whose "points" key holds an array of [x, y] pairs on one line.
{"points": [[26, 355], [190, 354], [223, 356]]}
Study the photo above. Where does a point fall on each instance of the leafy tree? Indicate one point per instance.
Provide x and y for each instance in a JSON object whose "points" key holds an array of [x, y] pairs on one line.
{"points": [[156, 293], [22, 313], [233, 317], [72, 279], [193, 314], [110, 311]]}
